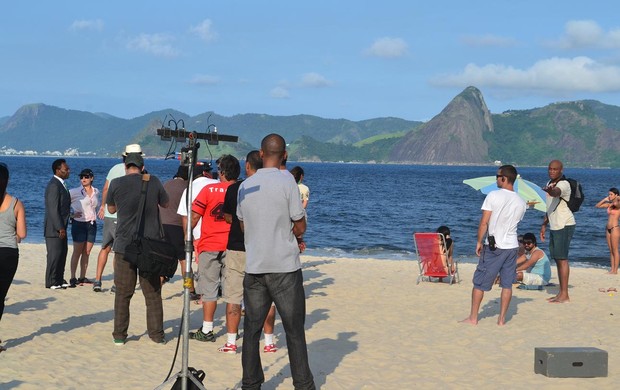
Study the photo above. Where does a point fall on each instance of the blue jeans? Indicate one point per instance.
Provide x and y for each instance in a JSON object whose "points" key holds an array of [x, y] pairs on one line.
{"points": [[286, 290]]}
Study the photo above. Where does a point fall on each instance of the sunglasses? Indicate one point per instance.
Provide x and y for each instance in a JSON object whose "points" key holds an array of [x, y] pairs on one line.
{"points": [[498, 176], [85, 176], [528, 242]]}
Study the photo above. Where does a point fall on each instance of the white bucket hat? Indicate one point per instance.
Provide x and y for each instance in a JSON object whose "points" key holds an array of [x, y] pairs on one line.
{"points": [[133, 148]]}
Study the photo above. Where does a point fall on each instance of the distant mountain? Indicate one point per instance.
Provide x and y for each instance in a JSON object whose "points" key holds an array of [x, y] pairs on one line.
{"points": [[41, 128], [581, 133], [454, 136]]}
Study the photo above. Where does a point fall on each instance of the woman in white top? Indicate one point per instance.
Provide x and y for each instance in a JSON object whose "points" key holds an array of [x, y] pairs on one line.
{"points": [[12, 231], [84, 202]]}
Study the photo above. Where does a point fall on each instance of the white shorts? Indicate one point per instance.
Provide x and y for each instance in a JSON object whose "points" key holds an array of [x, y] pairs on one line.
{"points": [[530, 279]]}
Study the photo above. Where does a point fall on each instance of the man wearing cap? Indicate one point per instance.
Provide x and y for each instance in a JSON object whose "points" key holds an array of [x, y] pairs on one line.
{"points": [[124, 198], [57, 210], [109, 219]]}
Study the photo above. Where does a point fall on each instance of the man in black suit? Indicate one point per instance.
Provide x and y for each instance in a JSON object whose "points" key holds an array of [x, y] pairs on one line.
{"points": [[57, 210]]}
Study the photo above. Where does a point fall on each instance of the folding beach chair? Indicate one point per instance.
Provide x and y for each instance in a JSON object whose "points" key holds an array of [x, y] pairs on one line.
{"points": [[433, 258]]}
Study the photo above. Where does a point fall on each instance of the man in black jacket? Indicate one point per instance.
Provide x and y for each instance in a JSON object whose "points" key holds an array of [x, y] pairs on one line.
{"points": [[57, 210]]}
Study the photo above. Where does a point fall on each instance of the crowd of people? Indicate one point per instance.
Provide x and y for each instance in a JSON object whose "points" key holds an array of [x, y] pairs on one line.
{"points": [[248, 236]]}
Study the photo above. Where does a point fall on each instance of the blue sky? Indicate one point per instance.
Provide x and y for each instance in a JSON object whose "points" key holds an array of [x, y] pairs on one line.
{"points": [[334, 59]]}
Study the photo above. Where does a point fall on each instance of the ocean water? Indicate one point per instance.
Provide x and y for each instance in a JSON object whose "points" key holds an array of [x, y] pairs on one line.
{"points": [[367, 210]]}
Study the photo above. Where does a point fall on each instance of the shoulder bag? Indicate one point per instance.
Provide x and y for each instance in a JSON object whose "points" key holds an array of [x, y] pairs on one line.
{"points": [[150, 255]]}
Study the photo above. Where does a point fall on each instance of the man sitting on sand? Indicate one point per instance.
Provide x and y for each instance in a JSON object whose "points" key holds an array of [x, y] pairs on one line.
{"points": [[533, 267]]}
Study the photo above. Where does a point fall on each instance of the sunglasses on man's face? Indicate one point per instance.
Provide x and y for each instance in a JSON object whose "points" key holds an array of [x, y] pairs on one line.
{"points": [[528, 242]]}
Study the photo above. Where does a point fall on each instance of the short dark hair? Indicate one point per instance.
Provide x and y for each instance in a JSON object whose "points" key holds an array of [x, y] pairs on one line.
{"points": [[297, 173], [509, 172], [614, 190], [273, 145], [253, 158], [228, 165], [530, 237], [57, 164]]}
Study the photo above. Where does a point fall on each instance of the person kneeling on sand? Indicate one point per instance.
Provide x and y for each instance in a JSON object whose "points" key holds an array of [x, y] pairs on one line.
{"points": [[533, 267]]}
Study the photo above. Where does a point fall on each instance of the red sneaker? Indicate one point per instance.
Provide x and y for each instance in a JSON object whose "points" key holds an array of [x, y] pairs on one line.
{"points": [[228, 348], [270, 348]]}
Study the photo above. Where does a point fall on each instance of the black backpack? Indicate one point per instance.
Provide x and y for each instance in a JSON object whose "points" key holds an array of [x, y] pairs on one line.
{"points": [[576, 194]]}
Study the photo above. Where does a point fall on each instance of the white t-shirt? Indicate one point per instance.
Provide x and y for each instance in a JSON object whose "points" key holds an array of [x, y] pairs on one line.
{"points": [[507, 210], [116, 171], [197, 186], [559, 214]]}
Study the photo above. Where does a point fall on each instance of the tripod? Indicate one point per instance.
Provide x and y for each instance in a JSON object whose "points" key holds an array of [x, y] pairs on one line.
{"points": [[188, 278]]}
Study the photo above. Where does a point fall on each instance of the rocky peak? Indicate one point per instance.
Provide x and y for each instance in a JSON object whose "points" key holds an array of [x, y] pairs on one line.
{"points": [[454, 136]]}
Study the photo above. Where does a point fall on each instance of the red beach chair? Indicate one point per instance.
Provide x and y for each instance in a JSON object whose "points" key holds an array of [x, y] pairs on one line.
{"points": [[433, 259]]}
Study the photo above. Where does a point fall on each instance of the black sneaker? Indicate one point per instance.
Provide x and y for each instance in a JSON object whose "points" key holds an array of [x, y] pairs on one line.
{"points": [[200, 336], [73, 282], [160, 342], [97, 286]]}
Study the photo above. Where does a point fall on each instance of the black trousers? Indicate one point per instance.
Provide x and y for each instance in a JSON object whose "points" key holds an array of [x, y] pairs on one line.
{"points": [[8, 266], [56, 259]]}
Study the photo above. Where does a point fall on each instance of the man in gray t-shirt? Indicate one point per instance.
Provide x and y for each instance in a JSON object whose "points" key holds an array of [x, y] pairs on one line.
{"points": [[272, 217]]}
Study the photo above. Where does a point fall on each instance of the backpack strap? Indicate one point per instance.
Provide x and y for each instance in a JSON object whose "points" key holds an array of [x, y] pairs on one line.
{"points": [[561, 198]]}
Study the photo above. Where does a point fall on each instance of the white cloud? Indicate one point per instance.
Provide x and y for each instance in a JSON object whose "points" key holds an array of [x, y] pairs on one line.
{"points": [[94, 25], [550, 76], [159, 45], [203, 79], [279, 93], [387, 48], [580, 34], [488, 40], [204, 31], [314, 80]]}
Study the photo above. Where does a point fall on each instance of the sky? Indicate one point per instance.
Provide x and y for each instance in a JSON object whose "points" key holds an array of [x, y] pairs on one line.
{"points": [[334, 59]]}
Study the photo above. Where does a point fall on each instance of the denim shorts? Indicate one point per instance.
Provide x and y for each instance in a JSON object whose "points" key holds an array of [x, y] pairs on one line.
{"points": [[83, 231], [502, 262], [559, 242]]}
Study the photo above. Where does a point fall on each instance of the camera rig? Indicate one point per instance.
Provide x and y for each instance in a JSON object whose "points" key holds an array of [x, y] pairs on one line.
{"points": [[188, 158]]}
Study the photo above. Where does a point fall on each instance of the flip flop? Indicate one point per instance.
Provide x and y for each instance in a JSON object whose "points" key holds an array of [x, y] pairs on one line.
{"points": [[612, 289], [602, 289]]}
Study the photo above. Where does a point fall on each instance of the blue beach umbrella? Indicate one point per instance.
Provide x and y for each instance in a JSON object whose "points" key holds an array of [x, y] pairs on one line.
{"points": [[528, 191]]}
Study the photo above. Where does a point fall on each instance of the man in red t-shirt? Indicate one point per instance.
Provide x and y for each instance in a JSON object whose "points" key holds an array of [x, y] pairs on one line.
{"points": [[211, 245]]}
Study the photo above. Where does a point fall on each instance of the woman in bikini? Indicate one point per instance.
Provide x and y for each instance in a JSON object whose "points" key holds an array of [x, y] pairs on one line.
{"points": [[612, 233]]}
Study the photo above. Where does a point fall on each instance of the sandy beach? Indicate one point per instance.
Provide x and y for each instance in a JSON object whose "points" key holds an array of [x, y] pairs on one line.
{"points": [[369, 326]]}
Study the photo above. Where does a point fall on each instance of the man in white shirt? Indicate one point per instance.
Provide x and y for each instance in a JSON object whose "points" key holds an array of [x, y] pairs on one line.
{"points": [[502, 211], [561, 223]]}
